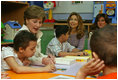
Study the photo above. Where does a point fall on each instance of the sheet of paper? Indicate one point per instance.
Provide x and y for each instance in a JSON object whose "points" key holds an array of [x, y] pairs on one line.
{"points": [[62, 77], [70, 70]]}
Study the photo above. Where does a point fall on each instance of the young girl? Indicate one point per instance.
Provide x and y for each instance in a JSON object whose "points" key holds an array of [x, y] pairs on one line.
{"points": [[77, 34], [24, 47]]}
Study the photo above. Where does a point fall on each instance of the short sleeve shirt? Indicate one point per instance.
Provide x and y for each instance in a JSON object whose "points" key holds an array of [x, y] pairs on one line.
{"points": [[54, 47], [8, 52]]}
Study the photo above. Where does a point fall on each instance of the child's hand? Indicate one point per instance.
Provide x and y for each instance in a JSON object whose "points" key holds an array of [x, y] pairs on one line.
{"points": [[47, 61], [91, 68], [50, 68], [4, 75], [26, 62]]}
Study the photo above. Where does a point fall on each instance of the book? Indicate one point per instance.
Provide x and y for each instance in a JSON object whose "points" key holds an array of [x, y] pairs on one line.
{"points": [[65, 61], [79, 58]]}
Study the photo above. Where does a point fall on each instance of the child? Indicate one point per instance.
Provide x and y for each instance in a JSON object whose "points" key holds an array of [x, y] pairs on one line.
{"points": [[59, 46], [24, 47], [104, 47]]}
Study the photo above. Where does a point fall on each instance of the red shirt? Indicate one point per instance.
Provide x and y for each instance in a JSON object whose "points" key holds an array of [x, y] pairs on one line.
{"points": [[109, 76]]}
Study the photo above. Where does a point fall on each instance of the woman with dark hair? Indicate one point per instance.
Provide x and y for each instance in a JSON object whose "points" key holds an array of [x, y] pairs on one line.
{"points": [[100, 21]]}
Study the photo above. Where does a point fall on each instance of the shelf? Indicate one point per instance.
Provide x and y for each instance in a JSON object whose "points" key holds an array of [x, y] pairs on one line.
{"points": [[85, 24], [6, 43], [13, 3], [11, 10]]}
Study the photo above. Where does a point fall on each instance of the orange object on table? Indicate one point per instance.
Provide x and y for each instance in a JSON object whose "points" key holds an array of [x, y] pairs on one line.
{"points": [[14, 75]]}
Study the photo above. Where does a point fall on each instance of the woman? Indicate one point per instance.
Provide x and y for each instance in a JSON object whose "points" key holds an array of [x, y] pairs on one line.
{"points": [[77, 31], [34, 17], [101, 21]]}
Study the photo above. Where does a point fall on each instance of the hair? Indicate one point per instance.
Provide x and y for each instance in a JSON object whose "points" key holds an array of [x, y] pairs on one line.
{"points": [[95, 25], [22, 39], [104, 44], [34, 12], [61, 29], [80, 28]]}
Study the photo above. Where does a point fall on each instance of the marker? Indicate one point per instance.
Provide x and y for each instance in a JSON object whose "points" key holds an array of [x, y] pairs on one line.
{"points": [[62, 69]]}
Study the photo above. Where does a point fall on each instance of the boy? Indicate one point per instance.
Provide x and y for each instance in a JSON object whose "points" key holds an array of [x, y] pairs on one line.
{"points": [[59, 46], [24, 47], [104, 47]]}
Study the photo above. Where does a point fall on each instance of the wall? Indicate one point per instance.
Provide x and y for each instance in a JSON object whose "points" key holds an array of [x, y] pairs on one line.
{"points": [[68, 7], [64, 16], [64, 8]]}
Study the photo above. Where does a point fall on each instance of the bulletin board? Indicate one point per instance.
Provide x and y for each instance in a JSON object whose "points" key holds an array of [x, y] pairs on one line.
{"points": [[68, 7]]}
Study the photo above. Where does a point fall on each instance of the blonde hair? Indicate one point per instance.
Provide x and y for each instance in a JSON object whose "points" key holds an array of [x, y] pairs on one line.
{"points": [[34, 12], [80, 28]]}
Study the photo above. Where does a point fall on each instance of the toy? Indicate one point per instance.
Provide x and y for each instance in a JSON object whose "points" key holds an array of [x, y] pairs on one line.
{"points": [[48, 6], [11, 28], [111, 10]]}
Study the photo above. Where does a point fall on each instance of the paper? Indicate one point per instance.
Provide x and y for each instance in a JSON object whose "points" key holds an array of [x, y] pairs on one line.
{"points": [[62, 77]]}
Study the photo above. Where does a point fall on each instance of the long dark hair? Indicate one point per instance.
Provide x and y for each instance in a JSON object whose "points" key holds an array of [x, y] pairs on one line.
{"points": [[95, 25]]}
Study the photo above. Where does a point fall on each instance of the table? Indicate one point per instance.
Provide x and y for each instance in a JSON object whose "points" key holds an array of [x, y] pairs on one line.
{"points": [[71, 72], [14, 75]]}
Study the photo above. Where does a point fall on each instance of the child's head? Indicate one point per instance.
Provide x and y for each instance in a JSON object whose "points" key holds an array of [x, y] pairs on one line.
{"points": [[34, 17], [104, 44], [25, 42], [75, 22], [62, 31]]}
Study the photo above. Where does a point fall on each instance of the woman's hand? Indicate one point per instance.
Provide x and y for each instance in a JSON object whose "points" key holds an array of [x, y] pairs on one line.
{"points": [[51, 57], [47, 61]]}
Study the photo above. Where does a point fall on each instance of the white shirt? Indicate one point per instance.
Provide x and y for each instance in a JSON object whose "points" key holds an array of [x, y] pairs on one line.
{"points": [[54, 47], [38, 56], [7, 52]]}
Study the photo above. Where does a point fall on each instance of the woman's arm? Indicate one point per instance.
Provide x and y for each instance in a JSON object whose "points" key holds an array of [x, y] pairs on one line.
{"points": [[24, 69], [81, 43]]}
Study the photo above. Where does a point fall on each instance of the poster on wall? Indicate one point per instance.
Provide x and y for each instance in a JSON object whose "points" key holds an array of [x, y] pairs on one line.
{"points": [[77, 2]]}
